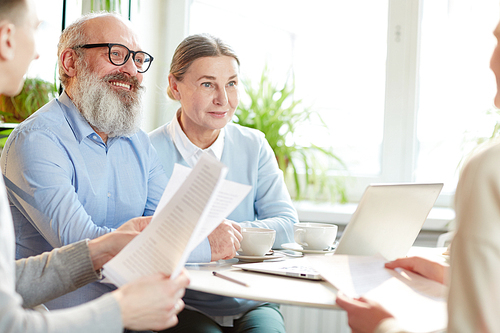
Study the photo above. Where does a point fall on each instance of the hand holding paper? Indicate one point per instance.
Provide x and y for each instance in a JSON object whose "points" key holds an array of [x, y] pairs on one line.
{"points": [[419, 304]]}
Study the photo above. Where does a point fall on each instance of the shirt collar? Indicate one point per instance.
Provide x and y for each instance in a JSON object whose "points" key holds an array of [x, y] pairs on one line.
{"points": [[80, 126], [188, 150]]}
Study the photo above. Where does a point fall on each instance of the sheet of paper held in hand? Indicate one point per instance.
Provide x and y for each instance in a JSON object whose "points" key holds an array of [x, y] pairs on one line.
{"points": [[193, 204], [419, 304]]}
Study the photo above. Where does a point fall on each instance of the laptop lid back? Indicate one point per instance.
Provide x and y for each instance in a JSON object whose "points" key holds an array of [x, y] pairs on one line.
{"points": [[388, 219]]}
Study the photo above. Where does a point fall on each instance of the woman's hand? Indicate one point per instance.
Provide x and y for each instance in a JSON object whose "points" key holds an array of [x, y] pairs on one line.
{"points": [[364, 315], [427, 268]]}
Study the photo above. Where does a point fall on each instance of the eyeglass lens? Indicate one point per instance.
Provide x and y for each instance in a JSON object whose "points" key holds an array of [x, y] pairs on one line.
{"points": [[119, 55]]}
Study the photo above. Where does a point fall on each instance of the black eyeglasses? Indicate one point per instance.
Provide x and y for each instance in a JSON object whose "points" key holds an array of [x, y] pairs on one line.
{"points": [[119, 55]]}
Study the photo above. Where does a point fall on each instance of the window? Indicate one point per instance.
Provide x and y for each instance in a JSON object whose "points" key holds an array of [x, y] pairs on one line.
{"points": [[47, 36], [456, 85], [398, 82], [338, 64]]}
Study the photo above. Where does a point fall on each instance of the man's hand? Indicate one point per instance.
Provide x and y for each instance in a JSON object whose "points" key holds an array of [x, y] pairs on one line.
{"points": [[225, 240], [427, 268], [152, 302], [103, 248], [363, 315]]}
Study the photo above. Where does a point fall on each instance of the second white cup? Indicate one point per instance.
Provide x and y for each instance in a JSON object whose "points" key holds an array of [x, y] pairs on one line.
{"points": [[315, 236]]}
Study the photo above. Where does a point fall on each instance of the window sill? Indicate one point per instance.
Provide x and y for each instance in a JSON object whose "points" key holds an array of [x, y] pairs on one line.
{"points": [[439, 218]]}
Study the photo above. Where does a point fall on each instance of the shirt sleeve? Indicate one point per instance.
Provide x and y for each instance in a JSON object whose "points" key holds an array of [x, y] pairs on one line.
{"points": [[57, 272], [273, 205], [157, 182], [44, 277], [474, 296], [101, 315], [202, 253], [38, 175]]}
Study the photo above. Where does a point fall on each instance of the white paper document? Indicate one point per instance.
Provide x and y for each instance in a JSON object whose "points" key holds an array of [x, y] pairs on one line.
{"points": [[194, 203], [419, 304]]}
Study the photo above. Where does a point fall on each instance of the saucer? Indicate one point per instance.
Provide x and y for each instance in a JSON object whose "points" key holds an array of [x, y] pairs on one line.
{"points": [[298, 248], [274, 256]]}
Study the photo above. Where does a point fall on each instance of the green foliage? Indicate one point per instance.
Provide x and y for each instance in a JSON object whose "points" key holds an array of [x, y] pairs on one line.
{"points": [[36, 93], [4, 135], [496, 129], [109, 6], [106, 5], [273, 110]]}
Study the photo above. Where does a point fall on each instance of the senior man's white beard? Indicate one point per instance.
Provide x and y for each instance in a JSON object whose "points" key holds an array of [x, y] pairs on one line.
{"points": [[115, 113]]}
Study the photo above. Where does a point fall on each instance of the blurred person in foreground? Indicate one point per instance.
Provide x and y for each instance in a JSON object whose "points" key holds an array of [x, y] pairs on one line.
{"points": [[148, 303], [474, 292]]}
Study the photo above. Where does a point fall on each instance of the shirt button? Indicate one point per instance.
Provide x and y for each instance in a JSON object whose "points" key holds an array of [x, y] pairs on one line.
{"points": [[109, 195]]}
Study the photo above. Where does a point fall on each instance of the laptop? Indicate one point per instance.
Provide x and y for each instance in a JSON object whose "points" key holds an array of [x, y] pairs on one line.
{"points": [[386, 222]]}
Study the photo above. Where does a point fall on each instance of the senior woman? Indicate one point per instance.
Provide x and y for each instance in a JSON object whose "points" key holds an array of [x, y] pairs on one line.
{"points": [[204, 78]]}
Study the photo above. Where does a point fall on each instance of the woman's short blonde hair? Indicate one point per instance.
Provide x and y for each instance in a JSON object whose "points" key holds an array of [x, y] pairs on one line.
{"points": [[194, 47]]}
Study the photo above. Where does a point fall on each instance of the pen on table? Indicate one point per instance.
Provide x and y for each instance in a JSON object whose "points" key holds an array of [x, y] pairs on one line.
{"points": [[230, 279]]}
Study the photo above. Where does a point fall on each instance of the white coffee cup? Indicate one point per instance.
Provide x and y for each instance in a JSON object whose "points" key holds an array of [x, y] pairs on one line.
{"points": [[256, 241], [315, 236]]}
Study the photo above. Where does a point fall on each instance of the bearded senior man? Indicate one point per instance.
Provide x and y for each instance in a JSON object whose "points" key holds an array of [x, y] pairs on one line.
{"points": [[80, 167]]}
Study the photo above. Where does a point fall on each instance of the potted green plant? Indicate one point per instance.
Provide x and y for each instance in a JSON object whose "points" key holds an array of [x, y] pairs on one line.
{"points": [[13, 110], [273, 110]]}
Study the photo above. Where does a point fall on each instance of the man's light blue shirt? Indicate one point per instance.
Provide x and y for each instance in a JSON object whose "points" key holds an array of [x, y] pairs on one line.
{"points": [[65, 184]]}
